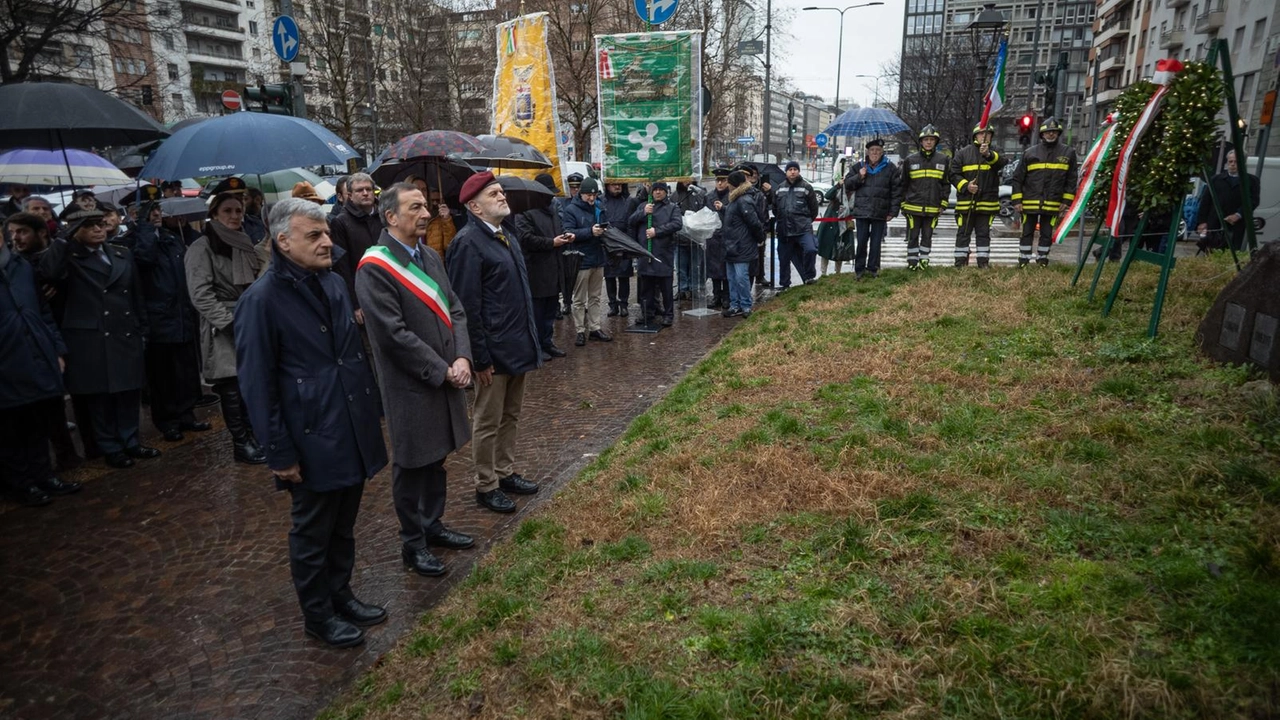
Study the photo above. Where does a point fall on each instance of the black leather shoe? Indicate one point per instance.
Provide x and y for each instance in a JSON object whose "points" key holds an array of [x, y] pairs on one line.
{"points": [[517, 485], [119, 460], [142, 452], [600, 335], [496, 500], [335, 632], [546, 358], [555, 352], [33, 496], [172, 435], [613, 310], [58, 486], [580, 340], [452, 540], [248, 453], [623, 310], [422, 562], [196, 426], [668, 321], [360, 614], [207, 400]]}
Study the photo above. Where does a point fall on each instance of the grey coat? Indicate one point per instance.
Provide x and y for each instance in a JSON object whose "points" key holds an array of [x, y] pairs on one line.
{"points": [[214, 297], [413, 349]]}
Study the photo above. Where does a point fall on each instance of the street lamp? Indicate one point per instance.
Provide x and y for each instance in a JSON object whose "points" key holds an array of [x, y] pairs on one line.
{"points": [[989, 19], [876, 99], [840, 51]]}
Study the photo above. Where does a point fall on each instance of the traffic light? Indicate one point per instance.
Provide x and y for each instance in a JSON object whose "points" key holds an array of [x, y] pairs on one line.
{"points": [[148, 97], [1025, 124], [270, 99]]}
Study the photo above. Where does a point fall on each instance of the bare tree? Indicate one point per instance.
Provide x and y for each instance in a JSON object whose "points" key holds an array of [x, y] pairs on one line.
{"points": [[938, 85]]}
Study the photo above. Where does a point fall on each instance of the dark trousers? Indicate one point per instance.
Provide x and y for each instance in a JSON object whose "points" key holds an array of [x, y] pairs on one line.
{"points": [[1027, 242], [173, 373], [544, 318], [24, 444], [84, 424], [322, 547], [800, 251], [418, 494], [870, 236], [979, 225], [651, 289], [114, 418], [619, 290], [919, 237]]}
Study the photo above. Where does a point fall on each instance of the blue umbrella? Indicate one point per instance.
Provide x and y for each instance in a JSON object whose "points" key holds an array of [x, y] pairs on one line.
{"points": [[866, 121], [58, 168], [246, 142]]}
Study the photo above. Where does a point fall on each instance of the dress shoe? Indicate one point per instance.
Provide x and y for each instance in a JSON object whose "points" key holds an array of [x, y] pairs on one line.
{"points": [[360, 614], [173, 435], [517, 485], [142, 452], [451, 540], [623, 310], [335, 632], [668, 321], [555, 352], [119, 460], [600, 335], [32, 496], [422, 562], [580, 340], [496, 500], [195, 426], [207, 400], [58, 486], [248, 453], [546, 357], [613, 310]]}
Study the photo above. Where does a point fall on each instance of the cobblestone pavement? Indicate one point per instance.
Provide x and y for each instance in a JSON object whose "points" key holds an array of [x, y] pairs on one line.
{"points": [[163, 591]]}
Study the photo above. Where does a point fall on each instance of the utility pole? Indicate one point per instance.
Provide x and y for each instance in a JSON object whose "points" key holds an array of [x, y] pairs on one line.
{"points": [[768, 77]]}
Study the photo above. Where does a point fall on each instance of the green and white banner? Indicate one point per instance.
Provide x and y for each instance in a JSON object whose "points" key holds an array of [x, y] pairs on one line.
{"points": [[650, 105]]}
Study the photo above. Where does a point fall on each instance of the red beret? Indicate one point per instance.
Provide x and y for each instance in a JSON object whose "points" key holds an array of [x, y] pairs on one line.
{"points": [[474, 184]]}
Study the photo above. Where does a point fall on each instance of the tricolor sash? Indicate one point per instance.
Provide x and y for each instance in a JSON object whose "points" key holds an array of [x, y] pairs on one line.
{"points": [[412, 278]]}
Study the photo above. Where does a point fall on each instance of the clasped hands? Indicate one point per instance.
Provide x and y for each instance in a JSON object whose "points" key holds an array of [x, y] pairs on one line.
{"points": [[459, 373]]}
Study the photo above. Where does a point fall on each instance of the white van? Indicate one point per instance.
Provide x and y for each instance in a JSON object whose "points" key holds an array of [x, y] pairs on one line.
{"points": [[582, 168]]}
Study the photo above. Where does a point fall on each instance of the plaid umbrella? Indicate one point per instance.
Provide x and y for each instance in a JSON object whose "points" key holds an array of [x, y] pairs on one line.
{"points": [[507, 153], [441, 174], [432, 143], [866, 122]]}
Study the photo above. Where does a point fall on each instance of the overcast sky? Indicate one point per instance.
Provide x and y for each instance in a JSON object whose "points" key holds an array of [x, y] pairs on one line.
{"points": [[872, 35]]}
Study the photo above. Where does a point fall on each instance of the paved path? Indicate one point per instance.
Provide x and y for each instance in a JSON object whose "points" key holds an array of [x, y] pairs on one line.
{"points": [[163, 591]]}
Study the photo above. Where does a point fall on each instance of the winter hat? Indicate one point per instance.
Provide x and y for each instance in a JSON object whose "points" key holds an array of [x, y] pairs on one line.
{"points": [[589, 185], [792, 164], [661, 185], [736, 178], [546, 181], [474, 184]]}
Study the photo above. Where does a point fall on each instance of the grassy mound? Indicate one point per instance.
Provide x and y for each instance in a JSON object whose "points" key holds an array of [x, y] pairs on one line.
{"points": [[949, 494]]}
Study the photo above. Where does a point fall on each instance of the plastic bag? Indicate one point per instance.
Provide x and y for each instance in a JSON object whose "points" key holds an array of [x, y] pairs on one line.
{"points": [[701, 225]]}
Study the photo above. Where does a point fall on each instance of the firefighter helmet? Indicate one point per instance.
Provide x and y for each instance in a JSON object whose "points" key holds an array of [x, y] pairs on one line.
{"points": [[1050, 124], [983, 129], [930, 131]]}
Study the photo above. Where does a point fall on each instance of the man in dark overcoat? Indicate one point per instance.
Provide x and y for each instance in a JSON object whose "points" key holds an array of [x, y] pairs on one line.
{"points": [[1229, 191], [418, 331], [541, 238], [654, 226], [308, 389], [103, 315]]}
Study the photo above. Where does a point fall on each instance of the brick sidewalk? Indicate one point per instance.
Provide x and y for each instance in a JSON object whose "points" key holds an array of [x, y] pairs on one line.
{"points": [[164, 592]]}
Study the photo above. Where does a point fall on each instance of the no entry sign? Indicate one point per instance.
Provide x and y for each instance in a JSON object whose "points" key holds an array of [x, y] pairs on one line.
{"points": [[231, 99]]}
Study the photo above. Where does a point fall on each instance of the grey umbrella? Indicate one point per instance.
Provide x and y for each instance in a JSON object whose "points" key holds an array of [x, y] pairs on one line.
{"points": [[523, 195], [507, 153]]}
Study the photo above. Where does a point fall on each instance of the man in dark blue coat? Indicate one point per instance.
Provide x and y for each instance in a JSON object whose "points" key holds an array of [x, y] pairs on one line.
{"points": [[308, 387], [581, 216], [173, 350], [487, 271], [654, 226], [31, 352], [616, 206]]}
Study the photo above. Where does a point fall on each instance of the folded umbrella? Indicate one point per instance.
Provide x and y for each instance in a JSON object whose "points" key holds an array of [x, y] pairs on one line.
{"points": [[618, 244], [248, 143], [523, 195]]}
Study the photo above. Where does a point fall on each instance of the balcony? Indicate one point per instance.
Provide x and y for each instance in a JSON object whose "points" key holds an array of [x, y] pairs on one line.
{"points": [[220, 5], [1170, 39], [221, 32], [203, 58], [1177, 3], [1106, 96], [1115, 62], [1107, 6], [1210, 20]]}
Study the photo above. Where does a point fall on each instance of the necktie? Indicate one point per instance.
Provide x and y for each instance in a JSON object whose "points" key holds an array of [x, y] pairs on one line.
{"points": [[102, 255], [502, 236], [417, 260]]}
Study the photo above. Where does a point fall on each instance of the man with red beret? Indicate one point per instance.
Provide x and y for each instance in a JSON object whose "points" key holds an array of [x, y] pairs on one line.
{"points": [[486, 269]]}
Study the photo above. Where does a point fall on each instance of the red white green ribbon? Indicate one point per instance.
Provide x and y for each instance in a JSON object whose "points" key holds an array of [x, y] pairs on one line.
{"points": [[412, 278], [1120, 180], [1088, 177]]}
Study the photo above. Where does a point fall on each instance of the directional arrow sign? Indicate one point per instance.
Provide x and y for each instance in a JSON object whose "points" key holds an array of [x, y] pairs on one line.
{"points": [[655, 12], [285, 38], [746, 139]]}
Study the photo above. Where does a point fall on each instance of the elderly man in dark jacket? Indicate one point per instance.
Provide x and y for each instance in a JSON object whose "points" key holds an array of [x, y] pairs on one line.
{"points": [[309, 392], [743, 232], [655, 225], [541, 237], [878, 184], [31, 352], [355, 230], [487, 271], [104, 320], [581, 217], [423, 352], [718, 200], [1229, 191], [616, 207], [173, 350], [795, 204]]}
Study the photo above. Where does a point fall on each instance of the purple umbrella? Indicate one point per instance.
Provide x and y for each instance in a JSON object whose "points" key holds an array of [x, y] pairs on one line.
{"points": [[58, 168]]}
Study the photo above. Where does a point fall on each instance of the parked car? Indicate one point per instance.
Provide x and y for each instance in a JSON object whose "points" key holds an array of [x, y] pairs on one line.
{"points": [[582, 168]]}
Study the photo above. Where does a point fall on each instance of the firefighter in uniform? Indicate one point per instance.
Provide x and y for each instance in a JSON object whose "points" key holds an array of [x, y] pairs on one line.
{"points": [[924, 196], [1044, 185], [975, 171]]}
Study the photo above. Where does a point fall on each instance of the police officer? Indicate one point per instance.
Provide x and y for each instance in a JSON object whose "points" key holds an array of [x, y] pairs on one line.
{"points": [[975, 171], [924, 196], [1044, 185]]}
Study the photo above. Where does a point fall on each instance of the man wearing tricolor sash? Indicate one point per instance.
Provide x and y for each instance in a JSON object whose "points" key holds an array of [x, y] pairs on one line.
{"points": [[420, 343]]}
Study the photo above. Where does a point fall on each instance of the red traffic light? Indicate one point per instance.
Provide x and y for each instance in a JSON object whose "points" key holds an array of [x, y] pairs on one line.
{"points": [[1025, 122]]}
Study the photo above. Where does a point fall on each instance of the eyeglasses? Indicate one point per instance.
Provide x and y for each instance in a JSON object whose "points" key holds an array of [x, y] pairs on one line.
{"points": [[93, 224]]}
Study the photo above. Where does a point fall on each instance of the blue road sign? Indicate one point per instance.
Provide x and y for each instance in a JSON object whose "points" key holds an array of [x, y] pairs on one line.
{"points": [[656, 11], [820, 140], [746, 139], [285, 38]]}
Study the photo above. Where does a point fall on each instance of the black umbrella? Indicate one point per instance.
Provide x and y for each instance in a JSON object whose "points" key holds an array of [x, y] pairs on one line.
{"points": [[65, 115], [523, 195], [618, 244], [507, 153], [440, 174]]}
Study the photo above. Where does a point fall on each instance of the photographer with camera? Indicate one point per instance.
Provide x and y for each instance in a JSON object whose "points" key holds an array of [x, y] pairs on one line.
{"points": [[581, 216]]}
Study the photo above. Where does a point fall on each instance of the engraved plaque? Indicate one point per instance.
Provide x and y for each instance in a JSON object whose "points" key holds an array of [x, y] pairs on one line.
{"points": [[1264, 340], [1232, 319]]}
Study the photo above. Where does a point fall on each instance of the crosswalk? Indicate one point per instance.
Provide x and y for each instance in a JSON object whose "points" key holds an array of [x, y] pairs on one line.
{"points": [[893, 252]]}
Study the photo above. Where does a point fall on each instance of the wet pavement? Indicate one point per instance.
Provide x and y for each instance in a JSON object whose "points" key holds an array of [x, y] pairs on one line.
{"points": [[163, 591]]}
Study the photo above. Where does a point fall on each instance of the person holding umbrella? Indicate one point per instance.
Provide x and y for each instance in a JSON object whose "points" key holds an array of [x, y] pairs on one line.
{"points": [[655, 225], [975, 171], [220, 266], [877, 184]]}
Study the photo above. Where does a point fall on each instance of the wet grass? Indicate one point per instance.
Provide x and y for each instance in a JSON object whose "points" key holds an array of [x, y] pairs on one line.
{"points": [[953, 494]]}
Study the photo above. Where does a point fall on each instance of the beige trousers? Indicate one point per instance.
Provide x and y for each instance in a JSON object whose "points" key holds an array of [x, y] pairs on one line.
{"points": [[494, 423], [588, 292]]}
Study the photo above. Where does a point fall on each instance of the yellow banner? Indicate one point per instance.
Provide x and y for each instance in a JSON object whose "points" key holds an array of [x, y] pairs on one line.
{"points": [[524, 92]]}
